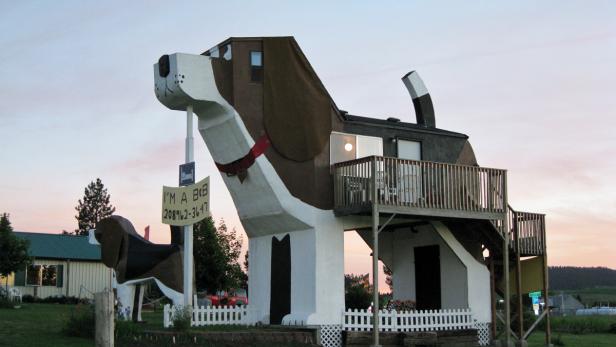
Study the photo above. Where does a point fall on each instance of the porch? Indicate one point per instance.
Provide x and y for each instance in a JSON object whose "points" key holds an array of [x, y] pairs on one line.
{"points": [[419, 188], [471, 197], [443, 191]]}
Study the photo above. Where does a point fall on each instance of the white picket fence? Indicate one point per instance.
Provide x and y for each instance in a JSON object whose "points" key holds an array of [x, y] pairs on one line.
{"points": [[423, 320], [214, 315]]}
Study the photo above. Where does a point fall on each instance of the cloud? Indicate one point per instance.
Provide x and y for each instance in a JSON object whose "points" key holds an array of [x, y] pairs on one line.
{"points": [[152, 158]]}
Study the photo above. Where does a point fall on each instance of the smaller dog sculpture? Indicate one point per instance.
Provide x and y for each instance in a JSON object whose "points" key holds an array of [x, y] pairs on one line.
{"points": [[136, 260]]}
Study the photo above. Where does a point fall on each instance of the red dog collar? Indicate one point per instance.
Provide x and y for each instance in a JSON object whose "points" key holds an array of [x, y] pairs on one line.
{"points": [[242, 164]]}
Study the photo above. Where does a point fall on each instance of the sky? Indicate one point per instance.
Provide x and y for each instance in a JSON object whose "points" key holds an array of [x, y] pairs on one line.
{"points": [[531, 83]]}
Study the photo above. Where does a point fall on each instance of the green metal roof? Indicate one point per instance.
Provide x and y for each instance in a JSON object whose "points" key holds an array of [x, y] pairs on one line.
{"points": [[57, 246]]}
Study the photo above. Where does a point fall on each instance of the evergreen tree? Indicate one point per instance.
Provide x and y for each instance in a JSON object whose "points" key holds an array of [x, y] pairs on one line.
{"points": [[94, 207], [13, 251], [389, 280], [357, 291], [216, 252]]}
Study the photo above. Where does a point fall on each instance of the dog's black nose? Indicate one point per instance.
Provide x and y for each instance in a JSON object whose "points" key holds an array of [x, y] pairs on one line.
{"points": [[163, 66]]}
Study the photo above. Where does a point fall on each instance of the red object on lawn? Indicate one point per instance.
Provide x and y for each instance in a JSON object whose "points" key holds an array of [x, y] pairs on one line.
{"points": [[235, 297]]}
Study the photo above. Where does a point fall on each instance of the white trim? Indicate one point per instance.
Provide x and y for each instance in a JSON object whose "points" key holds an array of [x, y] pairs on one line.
{"points": [[414, 84]]}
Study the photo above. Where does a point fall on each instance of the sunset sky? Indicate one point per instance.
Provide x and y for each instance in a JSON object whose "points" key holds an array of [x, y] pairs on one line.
{"points": [[532, 84]]}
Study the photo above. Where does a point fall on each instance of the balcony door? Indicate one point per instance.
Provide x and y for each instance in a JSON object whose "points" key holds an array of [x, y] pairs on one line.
{"points": [[410, 184], [345, 147]]}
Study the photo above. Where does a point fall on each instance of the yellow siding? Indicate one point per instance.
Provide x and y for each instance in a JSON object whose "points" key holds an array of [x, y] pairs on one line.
{"points": [[3, 280], [79, 276]]}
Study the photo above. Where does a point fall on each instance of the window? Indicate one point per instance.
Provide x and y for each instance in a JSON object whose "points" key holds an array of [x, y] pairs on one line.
{"points": [[49, 275], [409, 150], [33, 275], [42, 275], [256, 66], [345, 147]]}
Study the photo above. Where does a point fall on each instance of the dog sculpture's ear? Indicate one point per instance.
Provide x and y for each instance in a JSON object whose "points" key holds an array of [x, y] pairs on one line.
{"points": [[110, 235], [297, 109]]}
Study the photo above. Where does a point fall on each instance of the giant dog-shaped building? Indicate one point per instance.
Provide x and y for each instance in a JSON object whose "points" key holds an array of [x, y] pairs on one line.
{"points": [[274, 132]]}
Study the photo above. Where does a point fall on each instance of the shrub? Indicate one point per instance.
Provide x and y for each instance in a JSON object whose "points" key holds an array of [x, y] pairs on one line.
{"points": [[558, 341], [357, 297], [6, 303], [29, 298], [182, 318], [529, 319], [126, 330], [401, 305], [582, 324], [65, 300], [81, 322]]}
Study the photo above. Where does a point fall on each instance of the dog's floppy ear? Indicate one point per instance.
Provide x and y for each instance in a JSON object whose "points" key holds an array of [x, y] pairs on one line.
{"points": [[112, 239], [296, 106]]}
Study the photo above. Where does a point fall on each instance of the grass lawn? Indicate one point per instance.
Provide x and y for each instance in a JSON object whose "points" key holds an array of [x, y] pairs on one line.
{"points": [[40, 325], [37, 325], [587, 340]]}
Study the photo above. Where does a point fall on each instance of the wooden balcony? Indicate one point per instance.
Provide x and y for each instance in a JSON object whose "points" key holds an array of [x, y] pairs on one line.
{"points": [[527, 233], [419, 188], [440, 190]]}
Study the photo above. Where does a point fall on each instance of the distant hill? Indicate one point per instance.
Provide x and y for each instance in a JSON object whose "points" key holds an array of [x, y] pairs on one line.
{"points": [[571, 277]]}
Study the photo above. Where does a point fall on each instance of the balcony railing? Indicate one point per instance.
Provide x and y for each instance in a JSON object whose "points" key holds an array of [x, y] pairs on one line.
{"points": [[530, 228], [419, 188]]}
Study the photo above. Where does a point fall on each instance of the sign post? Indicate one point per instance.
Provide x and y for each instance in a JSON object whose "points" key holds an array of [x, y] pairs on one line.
{"points": [[188, 229], [187, 205]]}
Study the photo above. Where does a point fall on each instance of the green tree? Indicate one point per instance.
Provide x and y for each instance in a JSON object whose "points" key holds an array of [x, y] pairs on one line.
{"points": [[216, 252], [13, 251], [389, 280], [94, 207], [357, 292]]}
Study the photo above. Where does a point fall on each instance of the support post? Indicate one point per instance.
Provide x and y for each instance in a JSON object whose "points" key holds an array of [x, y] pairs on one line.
{"points": [[493, 296], [506, 264], [375, 257], [546, 306], [188, 229], [104, 322], [518, 280]]}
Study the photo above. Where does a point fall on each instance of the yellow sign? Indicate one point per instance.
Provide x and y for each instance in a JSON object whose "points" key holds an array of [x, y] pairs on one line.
{"points": [[532, 276], [186, 205]]}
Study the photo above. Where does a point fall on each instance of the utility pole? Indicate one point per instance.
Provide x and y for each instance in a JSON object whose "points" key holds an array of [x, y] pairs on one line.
{"points": [[188, 229]]}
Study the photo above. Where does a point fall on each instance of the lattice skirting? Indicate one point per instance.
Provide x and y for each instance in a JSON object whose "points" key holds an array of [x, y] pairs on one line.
{"points": [[331, 335], [483, 333]]}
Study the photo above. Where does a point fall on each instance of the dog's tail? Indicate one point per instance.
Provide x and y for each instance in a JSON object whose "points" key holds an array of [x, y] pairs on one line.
{"points": [[424, 110]]}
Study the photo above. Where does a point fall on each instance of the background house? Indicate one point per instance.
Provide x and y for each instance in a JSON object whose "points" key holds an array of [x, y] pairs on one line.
{"points": [[564, 305], [63, 265]]}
